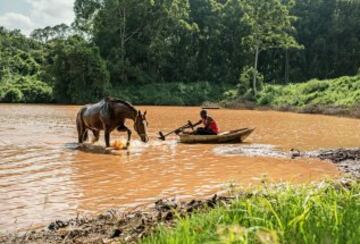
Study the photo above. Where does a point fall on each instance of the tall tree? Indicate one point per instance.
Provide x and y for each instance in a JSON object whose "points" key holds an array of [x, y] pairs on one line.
{"points": [[80, 73], [270, 24], [61, 31], [85, 14]]}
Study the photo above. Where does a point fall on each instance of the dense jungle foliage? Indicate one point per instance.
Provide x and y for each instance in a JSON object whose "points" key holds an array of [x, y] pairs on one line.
{"points": [[342, 92], [180, 51]]}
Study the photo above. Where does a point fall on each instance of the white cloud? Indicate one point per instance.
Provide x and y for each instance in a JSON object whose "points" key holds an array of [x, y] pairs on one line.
{"points": [[40, 14], [17, 21], [51, 12]]}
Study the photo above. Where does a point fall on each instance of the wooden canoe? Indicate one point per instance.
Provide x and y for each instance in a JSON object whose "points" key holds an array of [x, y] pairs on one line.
{"points": [[233, 136]]}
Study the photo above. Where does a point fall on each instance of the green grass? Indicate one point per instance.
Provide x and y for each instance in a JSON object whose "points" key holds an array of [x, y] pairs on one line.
{"points": [[326, 213], [342, 91]]}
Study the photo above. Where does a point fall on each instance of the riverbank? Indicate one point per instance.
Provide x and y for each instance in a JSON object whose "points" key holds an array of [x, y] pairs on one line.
{"points": [[342, 111], [347, 160], [165, 220], [318, 213], [340, 97]]}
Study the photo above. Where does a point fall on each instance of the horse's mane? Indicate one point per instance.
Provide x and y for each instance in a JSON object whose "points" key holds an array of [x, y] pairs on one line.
{"points": [[126, 103]]}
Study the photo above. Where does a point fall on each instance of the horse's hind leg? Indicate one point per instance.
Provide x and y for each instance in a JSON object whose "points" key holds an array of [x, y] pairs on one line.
{"points": [[96, 135], [85, 135], [82, 135], [81, 129]]}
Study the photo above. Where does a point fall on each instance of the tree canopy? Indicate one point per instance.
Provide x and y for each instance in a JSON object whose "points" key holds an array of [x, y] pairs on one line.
{"points": [[123, 43]]}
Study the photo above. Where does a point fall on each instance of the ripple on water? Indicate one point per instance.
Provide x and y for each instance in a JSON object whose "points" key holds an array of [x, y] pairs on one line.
{"points": [[34, 181], [42, 177], [252, 150]]}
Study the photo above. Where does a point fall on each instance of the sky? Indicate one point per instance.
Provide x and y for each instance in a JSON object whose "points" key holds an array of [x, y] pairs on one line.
{"points": [[28, 15]]}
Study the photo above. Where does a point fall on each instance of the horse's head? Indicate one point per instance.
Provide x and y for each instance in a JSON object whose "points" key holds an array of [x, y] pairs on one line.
{"points": [[140, 126]]}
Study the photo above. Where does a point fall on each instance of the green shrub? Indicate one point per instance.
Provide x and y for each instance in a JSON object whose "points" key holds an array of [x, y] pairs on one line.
{"points": [[36, 91], [27, 89], [246, 81], [315, 86], [343, 91], [267, 95], [12, 95]]}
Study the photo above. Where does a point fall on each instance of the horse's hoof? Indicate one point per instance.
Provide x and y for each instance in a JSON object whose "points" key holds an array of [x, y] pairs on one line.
{"points": [[76, 147]]}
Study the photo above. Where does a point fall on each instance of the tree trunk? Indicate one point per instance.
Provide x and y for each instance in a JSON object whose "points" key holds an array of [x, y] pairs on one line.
{"points": [[256, 69], [123, 47], [287, 66]]}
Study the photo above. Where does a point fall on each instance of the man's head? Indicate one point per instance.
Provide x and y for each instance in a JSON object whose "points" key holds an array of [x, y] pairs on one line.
{"points": [[203, 114]]}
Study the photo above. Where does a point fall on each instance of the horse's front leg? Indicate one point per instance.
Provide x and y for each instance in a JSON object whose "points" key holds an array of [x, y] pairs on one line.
{"points": [[124, 128], [107, 137]]}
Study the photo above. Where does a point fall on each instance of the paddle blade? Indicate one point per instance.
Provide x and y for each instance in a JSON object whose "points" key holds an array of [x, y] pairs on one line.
{"points": [[161, 136]]}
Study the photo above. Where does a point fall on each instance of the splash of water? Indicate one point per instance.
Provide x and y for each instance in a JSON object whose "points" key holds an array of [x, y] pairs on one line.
{"points": [[253, 150]]}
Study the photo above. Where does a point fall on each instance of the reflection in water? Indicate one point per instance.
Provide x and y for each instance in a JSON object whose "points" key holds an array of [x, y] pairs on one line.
{"points": [[43, 178]]}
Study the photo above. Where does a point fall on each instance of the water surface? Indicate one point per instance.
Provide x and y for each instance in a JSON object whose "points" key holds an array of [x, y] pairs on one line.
{"points": [[42, 178]]}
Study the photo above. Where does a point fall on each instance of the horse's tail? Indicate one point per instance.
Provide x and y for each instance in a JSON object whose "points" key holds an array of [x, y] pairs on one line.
{"points": [[80, 125]]}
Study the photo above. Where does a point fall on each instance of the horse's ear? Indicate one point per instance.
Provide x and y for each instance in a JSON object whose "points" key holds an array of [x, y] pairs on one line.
{"points": [[145, 113], [139, 113]]}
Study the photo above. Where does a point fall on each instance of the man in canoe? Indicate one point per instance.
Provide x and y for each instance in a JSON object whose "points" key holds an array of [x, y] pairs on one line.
{"points": [[210, 125]]}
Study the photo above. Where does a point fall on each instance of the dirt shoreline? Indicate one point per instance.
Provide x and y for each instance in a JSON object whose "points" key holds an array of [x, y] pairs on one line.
{"points": [[119, 227], [130, 227], [347, 160], [340, 111]]}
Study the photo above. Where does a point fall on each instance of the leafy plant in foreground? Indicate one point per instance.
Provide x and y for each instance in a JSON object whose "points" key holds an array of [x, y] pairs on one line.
{"points": [[324, 213]]}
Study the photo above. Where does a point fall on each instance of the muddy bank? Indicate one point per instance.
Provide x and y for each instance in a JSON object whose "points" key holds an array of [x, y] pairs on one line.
{"points": [[347, 160], [344, 111], [114, 226]]}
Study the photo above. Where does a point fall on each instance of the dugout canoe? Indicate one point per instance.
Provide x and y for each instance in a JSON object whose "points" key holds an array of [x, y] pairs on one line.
{"points": [[233, 136]]}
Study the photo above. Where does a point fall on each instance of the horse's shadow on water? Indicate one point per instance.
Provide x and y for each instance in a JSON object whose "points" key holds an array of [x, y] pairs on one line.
{"points": [[93, 148]]}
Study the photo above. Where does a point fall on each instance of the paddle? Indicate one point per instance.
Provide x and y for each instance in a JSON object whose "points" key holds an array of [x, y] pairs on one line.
{"points": [[180, 129]]}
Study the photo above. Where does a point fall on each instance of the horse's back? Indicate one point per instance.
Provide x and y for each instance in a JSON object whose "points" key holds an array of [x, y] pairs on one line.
{"points": [[92, 115]]}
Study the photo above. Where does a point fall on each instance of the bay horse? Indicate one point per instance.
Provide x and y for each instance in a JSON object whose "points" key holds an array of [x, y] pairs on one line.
{"points": [[107, 115]]}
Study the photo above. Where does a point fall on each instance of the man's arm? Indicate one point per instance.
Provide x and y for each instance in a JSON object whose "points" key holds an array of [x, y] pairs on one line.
{"points": [[178, 131], [198, 123]]}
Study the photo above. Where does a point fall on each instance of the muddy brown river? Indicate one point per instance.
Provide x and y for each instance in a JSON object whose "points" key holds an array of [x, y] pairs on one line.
{"points": [[42, 177]]}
